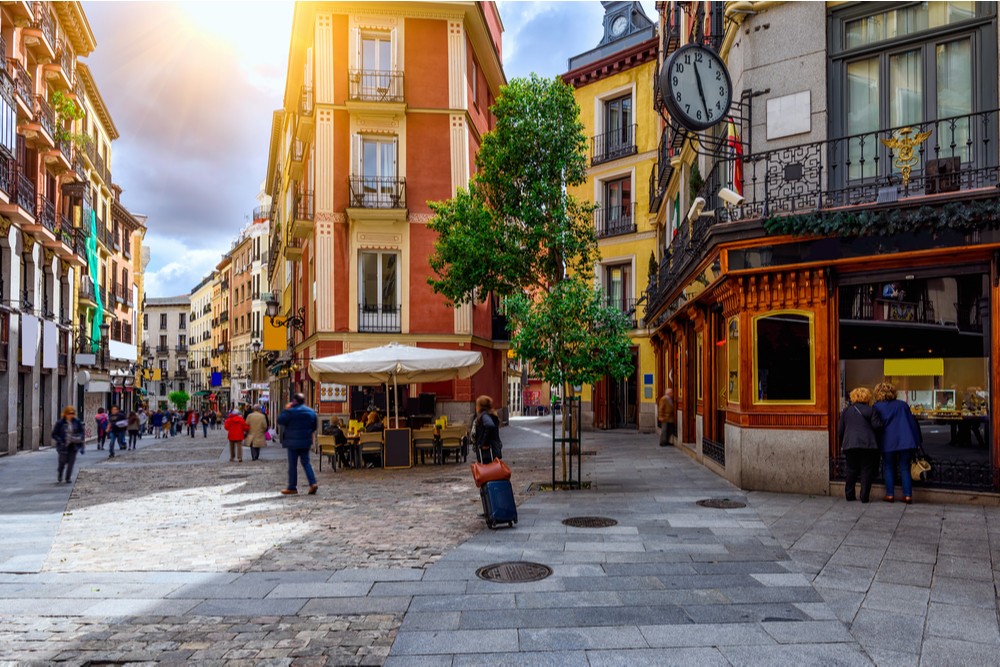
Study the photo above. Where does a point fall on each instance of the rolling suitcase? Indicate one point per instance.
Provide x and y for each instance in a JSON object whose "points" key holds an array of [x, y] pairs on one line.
{"points": [[498, 503]]}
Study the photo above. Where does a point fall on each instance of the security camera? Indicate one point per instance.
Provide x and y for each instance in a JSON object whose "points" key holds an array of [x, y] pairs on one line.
{"points": [[731, 197], [696, 208]]}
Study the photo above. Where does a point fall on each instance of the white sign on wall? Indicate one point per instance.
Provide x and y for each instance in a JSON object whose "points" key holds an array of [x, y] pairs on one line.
{"points": [[50, 344], [29, 339], [788, 115], [332, 393]]}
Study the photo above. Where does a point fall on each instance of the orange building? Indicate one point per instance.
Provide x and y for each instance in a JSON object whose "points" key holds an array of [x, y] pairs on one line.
{"points": [[385, 107]]}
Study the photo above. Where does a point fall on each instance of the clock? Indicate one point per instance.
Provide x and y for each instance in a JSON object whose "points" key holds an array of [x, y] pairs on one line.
{"points": [[618, 25], [696, 87]]}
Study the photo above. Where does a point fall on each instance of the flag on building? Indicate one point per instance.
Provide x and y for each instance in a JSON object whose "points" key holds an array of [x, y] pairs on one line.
{"points": [[736, 152]]}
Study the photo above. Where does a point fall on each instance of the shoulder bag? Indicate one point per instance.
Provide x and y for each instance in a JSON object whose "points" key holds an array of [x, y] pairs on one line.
{"points": [[920, 467]]}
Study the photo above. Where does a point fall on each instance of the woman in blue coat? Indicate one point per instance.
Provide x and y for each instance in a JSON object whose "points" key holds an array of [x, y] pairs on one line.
{"points": [[898, 439]]}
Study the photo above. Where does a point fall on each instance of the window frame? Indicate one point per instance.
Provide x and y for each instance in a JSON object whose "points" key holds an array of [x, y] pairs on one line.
{"points": [[811, 317]]}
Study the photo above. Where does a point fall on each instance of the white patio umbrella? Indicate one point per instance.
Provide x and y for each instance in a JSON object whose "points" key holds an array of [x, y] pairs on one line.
{"points": [[396, 363]]}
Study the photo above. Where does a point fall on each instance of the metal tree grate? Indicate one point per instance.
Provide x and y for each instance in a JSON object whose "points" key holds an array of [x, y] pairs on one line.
{"points": [[589, 522], [721, 503], [514, 572]]}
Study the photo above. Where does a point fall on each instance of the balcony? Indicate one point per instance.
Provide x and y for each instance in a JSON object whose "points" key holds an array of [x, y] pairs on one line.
{"points": [[296, 155], [206, 309], [626, 306], [45, 227], [374, 192], [206, 335], [181, 349], [303, 222], [615, 220], [86, 294], [40, 34], [59, 72], [293, 249], [379, 319], [101, 168], [180, 374], [23, 90], [612, 145], [163, 349], [368, 85], [851, 186], [45, 118], [262, 213], [307, 124], [60, 157], [672, 31], [223, 317]]}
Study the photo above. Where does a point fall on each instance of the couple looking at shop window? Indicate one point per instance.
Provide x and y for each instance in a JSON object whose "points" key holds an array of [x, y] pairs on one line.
{"points": [[873, 425]]}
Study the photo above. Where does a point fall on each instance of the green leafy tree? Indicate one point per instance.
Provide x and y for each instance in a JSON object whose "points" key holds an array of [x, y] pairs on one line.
{"points": [[518, 234], [67, 110], [179, 399]]}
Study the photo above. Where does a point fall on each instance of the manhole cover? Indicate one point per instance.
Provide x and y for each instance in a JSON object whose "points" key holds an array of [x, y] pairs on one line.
{"points": [[721, 503], [514, 572], [590, 522]]}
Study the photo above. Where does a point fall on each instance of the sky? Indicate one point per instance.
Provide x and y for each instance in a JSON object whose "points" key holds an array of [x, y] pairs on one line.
{"points": [[191, 88]]}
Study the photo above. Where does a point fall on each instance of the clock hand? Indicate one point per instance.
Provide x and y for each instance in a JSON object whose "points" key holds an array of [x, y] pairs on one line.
{"points": [[701, 91]]}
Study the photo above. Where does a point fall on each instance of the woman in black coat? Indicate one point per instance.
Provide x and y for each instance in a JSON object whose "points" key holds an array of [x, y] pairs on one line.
{"points": [[487, 431], [68, 436], [856, 434]]}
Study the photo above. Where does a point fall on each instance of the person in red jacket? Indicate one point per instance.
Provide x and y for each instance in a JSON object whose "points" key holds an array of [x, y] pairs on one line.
{"points": [[236, 428]]}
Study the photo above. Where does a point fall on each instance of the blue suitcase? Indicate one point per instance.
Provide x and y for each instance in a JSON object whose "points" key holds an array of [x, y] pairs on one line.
{"points": [[498, 503]]}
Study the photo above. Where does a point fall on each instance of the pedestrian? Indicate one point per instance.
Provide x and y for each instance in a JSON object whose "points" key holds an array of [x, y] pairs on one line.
{"points": [[156, 423], [204, 422], [101, 418], [192, 422], [487, 442], [68, 435], [374, 423], [666, 415], [133, 429], [165, 425], [118, 422], [142, 421], [257, 426], [299, 422], [856, 435], [899, 437], [215, 420], [236, 429]]}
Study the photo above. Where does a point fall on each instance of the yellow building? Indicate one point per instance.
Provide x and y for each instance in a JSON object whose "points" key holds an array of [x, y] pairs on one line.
{"points": [[200, 347], [614, 86]]}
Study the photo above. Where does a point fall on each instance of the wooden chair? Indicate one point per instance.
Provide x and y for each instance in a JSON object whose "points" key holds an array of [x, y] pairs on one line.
{"points": [[328, 449], [454, 439], [371, 443], [425, 441]]}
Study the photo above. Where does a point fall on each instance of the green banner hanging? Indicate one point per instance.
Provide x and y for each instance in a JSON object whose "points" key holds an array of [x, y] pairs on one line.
{"points": [[93, 263]]}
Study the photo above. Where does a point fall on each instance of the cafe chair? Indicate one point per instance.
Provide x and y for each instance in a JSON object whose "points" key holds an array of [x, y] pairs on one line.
{"points": [[424, 441], [329, 450], [371, 443], [453, 440]]}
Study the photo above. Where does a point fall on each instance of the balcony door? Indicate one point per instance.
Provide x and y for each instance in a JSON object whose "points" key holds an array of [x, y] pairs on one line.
{"points": [[618, 286], [617, 207], [377, 183], [376, 77], [618, 124], [378, 298]]}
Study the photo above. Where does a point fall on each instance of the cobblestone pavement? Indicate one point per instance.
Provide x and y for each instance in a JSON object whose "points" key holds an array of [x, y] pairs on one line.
{"points": [[173, 555]]}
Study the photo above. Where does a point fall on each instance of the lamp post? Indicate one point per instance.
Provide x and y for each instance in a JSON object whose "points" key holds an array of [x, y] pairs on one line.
{"points": [[105, 328], [296, 321]]}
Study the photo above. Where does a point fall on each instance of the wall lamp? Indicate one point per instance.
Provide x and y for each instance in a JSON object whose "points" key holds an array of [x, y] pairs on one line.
{"points": [[296, 321]]}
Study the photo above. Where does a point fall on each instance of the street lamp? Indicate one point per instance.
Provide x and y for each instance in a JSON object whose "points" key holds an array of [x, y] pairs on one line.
{"points": [[296, 321]]}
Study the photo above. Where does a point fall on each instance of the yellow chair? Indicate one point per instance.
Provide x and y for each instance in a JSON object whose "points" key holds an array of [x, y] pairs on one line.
{"points": [[328, 449], [424, 441], [454, 439], [371, 443]]}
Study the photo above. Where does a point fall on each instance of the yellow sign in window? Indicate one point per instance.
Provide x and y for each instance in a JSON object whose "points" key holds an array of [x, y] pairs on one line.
{"points": [[913, 367]]}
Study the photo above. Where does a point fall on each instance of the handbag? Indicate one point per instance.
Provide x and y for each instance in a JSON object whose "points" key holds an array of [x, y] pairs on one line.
{"points": [[920, 467], [267, 435], [493, 471]]}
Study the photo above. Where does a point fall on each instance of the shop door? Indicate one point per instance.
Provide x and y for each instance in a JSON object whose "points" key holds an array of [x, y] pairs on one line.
{"points": [[718, 381], [22, 413], [623, 394], [600, 402]]}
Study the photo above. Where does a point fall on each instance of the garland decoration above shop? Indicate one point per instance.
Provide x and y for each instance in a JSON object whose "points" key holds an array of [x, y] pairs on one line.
{"points": [[962, 217]]}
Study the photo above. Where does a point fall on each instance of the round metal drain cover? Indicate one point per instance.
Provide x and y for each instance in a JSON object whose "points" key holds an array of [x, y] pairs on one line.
{"points": [[590, 522], [721, 503], [514, 572]]}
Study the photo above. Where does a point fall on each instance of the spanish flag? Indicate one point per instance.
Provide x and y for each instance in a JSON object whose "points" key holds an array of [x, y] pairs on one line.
{"points": [[736, 151]]}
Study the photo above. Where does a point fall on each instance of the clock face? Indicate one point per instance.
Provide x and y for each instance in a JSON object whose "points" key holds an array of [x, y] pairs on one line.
{"points": [[618, 25], [696, 87]]}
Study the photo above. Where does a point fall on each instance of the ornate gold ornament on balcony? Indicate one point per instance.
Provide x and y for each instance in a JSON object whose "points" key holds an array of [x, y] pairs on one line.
{"points": [[905, 159]]}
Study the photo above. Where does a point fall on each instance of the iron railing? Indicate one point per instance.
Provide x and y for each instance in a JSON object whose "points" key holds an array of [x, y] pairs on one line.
{"points": [[378, 192], [8, 174], [373, 318], [262, 212], [855, 171], [23, 85], [369, 85], [615, 220], [714, 450], [44, 116], [613, 144], [163, 349], [967, 475], [305, 101], [627, 306], [25, 191], [43, 22], [304, 205]]}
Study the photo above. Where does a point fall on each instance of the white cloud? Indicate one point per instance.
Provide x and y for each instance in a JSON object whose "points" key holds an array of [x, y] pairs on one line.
{"points": [[181, 268]]}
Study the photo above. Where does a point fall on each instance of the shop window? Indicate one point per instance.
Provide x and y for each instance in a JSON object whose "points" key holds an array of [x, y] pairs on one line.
{"points": [[733, 350], [698, 360], [783, 364]]}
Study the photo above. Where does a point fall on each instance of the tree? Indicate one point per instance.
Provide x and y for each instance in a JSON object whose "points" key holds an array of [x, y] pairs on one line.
{"points": [[179, 399], [517, 233]]}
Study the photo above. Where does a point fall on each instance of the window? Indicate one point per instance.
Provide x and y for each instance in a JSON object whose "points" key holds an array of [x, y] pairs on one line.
{"points": [[912, 83], [474, 74], [618, 127], [783, 363], [163, 320], [376, 79], [618, 286], [163, 342], [617, 210], [182, 321], [733, 349], [378, 300], [145, 321], [182, 341], [376, 167]]}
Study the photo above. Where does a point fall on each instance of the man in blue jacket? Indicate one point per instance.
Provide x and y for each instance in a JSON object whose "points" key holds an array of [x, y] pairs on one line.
{"points": [[299, 421]]}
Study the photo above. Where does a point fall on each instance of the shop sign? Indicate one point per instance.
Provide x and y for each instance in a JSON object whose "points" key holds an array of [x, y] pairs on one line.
{"points": [[330, 392]]}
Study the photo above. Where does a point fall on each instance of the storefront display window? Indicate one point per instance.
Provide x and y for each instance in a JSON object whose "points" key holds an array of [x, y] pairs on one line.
{"points": [[699, 360], [784, 366], [733, 348]]}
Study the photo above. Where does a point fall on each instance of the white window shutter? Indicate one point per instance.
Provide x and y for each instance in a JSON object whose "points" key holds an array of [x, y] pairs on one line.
{"points": [[307, 76], [358, 64], [394, 48], [356, 154]]}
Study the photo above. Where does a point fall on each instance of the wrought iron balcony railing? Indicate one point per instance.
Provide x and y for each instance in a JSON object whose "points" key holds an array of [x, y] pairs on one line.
{"points": [[25, 191], [262, 212], [23, 86], [45, 213], [43, 21], [370, 85], [922, 164], [8, 174], [615, 220], [626, 305], [163, 349], [379, 319], [304, 204], [44, 116], [378, 192], [613, 144]]}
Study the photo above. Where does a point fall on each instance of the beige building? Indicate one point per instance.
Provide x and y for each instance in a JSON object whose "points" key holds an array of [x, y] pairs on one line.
{"points": [[200, 340], [165, 334]]}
